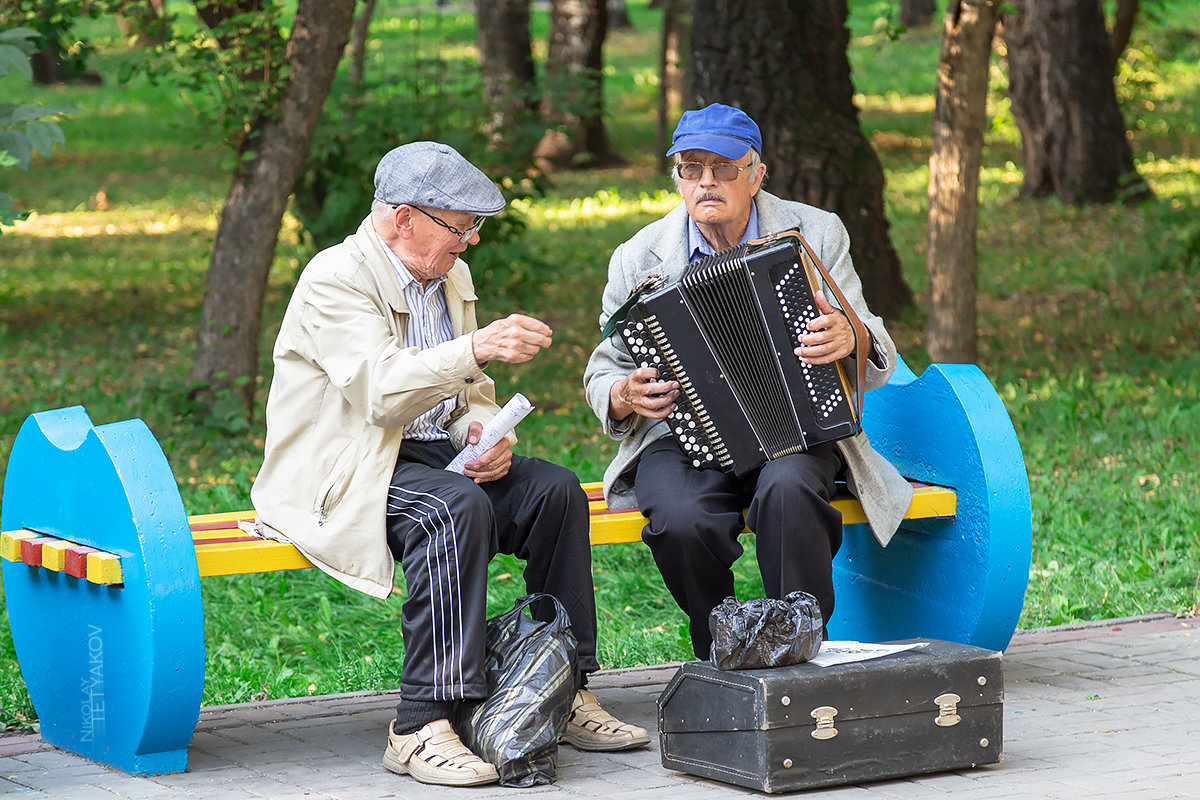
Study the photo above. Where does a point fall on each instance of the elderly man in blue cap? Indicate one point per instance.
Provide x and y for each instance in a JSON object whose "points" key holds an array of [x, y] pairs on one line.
{"points": [[695, 516], [379, 382]]}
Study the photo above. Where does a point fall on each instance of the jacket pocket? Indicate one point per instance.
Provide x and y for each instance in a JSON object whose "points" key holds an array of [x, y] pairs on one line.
{"points": [[333, 487]]}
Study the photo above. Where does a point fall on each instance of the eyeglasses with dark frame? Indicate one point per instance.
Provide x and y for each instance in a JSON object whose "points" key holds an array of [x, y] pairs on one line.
{"points": [[463, 236], [724, 171]]}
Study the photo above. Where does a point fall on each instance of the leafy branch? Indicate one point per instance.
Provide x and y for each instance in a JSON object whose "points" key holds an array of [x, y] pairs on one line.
{"points": [[25, 128]]}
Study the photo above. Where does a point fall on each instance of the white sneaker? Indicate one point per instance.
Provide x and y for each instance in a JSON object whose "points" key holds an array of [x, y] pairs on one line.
{"points": [[435, 754]]}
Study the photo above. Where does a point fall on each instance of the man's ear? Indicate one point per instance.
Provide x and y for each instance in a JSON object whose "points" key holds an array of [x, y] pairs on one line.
{"points": [[402, 221]]}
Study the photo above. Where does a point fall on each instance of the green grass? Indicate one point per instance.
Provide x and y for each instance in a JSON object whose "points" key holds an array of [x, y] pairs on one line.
{"points": [[1088, 328]]}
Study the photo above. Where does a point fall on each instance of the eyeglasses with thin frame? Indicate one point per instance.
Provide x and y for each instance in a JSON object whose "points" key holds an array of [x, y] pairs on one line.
{"points": [[724, 171], [463, 236]]}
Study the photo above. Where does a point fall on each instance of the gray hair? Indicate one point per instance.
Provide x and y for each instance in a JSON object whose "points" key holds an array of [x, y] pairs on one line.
{"points": [[380, 209], [751, 168]]}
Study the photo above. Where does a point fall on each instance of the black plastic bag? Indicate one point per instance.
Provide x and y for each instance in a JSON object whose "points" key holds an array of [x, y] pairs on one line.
{"points": [[766, 633], [531, 683]]}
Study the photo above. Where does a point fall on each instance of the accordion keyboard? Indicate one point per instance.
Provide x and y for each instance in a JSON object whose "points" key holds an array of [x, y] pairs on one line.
{"points": [[691, 424], [798, 308]]}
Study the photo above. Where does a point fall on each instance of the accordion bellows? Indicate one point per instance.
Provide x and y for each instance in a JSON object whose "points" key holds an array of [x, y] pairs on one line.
{"points": [[727, 331]]}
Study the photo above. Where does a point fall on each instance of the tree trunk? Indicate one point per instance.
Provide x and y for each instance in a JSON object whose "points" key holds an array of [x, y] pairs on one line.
{"points": [[358, 44], [145, 22], [1061, 84], [1122, 28], [959, 120], [917, 13], [227, 346], [574, 100], [618, 15], [671, 72], [506, 63], [793, 79]]}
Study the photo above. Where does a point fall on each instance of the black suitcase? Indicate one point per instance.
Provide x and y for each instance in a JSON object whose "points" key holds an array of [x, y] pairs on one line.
{"points": [[933, 708]]}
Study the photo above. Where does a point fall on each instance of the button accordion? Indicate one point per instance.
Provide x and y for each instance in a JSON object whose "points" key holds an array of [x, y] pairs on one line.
{"points": [[727, 331]]}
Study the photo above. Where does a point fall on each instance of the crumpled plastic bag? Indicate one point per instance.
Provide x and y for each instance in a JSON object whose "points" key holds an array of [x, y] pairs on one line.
{"points": [[762, 633], [531, 683]]}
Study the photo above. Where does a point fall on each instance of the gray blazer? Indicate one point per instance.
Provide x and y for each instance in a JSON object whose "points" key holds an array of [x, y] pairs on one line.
{"points": [[661, 247]]}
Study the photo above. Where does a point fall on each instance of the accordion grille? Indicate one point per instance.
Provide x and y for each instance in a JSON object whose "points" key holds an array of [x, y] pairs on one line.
{"points": [[730, 318]]}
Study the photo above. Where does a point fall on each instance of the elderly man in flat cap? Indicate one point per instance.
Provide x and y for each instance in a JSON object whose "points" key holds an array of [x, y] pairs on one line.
{"points": [[379, 382], [695, 516]]}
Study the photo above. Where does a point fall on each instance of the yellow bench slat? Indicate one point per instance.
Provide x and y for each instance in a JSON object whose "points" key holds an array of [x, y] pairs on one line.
{"points": [[607, 527]]}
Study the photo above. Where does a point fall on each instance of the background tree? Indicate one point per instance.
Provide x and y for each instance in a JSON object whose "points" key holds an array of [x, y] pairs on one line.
{"points": [[506, 62], [358, 44], [270, 155], [1122, 28], [25, 128], [672, 74], [917, 13], [61, 56], [1073, 137], [959, 120], [145, 22], [574, 100], [789, 71]]}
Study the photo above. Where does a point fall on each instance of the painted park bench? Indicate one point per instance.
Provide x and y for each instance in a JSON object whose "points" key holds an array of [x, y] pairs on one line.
{"points": [[102, 566]]}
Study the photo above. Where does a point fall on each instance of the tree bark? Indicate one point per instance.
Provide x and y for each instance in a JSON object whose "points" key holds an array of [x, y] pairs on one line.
{"points": [[1122, 28], [506, 63], [1073, 137], [959, 120], [792, 76], [145, 22], [358, 44], [917, 13], [671, 72], [574, 101], [271, 158]]}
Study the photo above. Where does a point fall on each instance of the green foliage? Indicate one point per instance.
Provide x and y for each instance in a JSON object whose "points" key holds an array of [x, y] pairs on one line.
{"points": [[431, 93], [55, 22], [25, 128], [233, 71]]}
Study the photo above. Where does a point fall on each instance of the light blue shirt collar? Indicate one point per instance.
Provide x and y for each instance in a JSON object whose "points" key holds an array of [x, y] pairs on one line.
{"points": [[698, 246]]}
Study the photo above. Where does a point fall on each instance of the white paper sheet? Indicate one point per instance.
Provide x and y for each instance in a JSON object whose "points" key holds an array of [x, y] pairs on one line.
{"points": [[513, 412], [843, 652]]}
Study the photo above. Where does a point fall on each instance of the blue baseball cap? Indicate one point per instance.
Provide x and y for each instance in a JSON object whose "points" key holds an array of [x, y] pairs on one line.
{"points": [[717, 128]]}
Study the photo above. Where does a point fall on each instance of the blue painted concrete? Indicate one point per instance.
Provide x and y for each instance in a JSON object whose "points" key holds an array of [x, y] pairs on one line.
{"points": [[960, 580], [115, 674]]}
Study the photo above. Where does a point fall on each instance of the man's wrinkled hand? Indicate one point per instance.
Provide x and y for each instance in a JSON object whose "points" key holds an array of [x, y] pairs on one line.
{"points": [[641, 392], [514, 339], [491, 464], [830, 335]]}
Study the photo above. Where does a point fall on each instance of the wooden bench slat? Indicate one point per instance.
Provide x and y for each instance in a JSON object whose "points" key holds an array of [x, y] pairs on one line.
{"points": [[222, 548]]}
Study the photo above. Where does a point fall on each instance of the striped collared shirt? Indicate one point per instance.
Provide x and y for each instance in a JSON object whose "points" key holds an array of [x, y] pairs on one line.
{"points": [[698, 246], [428, 325]]}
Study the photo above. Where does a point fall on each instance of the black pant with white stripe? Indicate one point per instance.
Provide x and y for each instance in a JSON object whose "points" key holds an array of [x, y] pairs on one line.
{"points": [[444, 528]]}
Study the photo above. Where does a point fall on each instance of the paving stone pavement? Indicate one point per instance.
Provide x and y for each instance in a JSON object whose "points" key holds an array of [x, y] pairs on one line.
{"points": [[1108, 710]]}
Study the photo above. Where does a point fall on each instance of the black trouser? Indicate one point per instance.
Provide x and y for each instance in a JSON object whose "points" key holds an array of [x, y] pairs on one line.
{"points": [[444, 529], [695, 517]]}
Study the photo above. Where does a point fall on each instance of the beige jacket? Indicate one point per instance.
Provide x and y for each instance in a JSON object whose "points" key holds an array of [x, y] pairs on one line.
{"points": [[661, 248], [345, 384]]}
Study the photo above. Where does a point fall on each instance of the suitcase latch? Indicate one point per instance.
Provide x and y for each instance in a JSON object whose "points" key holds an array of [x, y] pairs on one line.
{"points": [[947, 710], [824, 717]]}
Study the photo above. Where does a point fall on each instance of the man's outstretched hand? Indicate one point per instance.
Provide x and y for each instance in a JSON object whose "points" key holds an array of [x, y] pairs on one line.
{"points": [[514, 339]]}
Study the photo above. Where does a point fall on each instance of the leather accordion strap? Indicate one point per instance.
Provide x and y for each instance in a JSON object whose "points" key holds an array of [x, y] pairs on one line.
{"points": [[862, 336]]}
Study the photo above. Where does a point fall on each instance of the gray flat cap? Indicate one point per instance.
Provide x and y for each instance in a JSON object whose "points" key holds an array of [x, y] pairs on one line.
{"points": [[435, 175]]}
